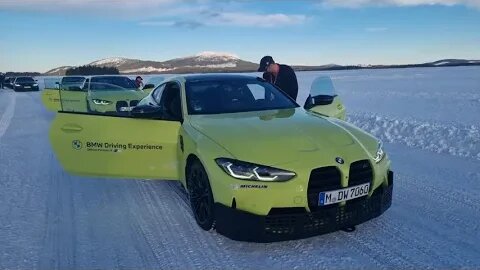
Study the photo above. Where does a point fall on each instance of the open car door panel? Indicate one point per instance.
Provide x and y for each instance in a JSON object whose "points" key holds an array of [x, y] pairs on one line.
{"points": [[51, 95], [116, 147], [51, 99], [324, 100]]}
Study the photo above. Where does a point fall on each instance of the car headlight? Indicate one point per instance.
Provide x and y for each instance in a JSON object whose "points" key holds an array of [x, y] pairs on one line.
{"points": [[35, 84], [249, 171], [17, 85], [101, 102], [380, 153]]}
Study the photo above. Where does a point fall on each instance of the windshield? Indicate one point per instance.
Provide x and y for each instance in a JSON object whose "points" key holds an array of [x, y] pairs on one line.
{"points": [[105, 87], [25, 80], [234, 95], [98, 83]]}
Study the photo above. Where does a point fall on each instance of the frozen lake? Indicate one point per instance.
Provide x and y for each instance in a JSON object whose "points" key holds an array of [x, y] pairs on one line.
{"points": [[428, 117]]}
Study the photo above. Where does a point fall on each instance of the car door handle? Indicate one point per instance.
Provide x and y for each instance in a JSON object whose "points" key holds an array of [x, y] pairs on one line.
{"points": [[71, 128]]}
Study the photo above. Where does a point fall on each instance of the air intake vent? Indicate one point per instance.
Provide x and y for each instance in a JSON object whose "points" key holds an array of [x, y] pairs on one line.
{"points": [[322, 179], [360, 173]]}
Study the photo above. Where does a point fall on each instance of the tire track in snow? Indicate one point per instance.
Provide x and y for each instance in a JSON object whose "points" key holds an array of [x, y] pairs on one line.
{"points": [[371, 247], [439, 217], [7, 115]]}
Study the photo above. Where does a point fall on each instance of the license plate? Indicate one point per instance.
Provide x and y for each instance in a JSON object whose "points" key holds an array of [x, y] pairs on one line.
{"points": [[27, 87], [126, 109], [343, 195]]}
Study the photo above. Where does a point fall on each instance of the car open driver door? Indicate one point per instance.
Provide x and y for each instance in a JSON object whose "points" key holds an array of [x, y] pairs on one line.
{"points": [[116, 146]]}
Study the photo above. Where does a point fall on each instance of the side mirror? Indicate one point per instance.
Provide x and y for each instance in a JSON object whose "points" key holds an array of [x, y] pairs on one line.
{"points": [[148, 86], [147, 111], [318, 100]]}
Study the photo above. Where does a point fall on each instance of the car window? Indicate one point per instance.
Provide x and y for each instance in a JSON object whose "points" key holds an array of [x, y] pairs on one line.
{"points": [[96, 86], [25, 80], [230, 95], [73, 80], [258, 91], [170, 101], [157, 93], [86, 85], [120, 81]]}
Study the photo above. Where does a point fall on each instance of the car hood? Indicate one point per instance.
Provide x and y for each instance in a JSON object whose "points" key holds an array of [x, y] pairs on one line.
{"points": [[276, 137]]}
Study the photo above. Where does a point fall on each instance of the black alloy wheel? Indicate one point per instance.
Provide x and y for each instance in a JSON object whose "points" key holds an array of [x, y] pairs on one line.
{"points": [[201, 197]]}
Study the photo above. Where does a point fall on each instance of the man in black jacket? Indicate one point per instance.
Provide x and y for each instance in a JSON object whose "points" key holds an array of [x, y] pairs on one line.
{"points": [[282, 76]]}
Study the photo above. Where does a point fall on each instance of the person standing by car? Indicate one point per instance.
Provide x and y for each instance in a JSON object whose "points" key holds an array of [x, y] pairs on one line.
{"points": [[2, 79], [282, 76], [139, 82]]}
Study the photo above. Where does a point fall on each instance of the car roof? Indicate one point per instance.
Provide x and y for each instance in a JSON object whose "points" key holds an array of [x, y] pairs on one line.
{"points": [[107, 76], [94, 76]]}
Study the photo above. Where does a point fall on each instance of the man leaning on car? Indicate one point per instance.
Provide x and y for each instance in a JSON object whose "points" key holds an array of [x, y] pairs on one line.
{"points": [[279, 75]]}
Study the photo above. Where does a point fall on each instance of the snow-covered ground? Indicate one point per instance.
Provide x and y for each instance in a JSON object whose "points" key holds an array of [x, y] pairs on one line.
{"points": [[428, 117]]}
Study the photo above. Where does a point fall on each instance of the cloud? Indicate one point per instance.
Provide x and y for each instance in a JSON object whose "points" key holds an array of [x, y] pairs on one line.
{"points": [[361, 3], [238, 19], [189, 14], [257, 19], [84, 4], [180, 24]]}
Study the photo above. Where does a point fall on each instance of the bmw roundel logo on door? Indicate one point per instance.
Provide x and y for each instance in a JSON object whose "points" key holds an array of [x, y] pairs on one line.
{"points": [[77, 145]]}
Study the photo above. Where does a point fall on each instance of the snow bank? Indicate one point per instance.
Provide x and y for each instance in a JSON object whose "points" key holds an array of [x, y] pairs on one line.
{"points": [[454, 139]]}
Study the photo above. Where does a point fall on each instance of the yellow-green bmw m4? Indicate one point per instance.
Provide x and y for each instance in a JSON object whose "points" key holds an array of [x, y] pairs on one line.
{"points": [[256, 166]]}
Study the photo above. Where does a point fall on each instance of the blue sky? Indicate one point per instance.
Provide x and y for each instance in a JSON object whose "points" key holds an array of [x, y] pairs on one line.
{"points": [[38, 35]]}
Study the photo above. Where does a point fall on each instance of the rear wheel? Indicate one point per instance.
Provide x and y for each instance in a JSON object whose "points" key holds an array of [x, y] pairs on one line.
{"points": [[200, 193]]}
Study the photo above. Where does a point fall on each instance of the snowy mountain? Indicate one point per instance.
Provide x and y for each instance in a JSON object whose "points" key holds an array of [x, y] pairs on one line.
{"points": [[202, 62], [205, 62], [60, 71], [451, 62]]}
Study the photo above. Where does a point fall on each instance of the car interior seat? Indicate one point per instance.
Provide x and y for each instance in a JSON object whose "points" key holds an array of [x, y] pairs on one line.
{"points": [[171, 102]]}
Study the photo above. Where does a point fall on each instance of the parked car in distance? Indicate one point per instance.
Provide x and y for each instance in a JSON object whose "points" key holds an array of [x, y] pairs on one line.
{"points": [[25, 84]]}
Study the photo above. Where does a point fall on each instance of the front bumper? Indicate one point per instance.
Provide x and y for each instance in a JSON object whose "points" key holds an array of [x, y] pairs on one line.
{"points": [[243, 226], [20, 88]]}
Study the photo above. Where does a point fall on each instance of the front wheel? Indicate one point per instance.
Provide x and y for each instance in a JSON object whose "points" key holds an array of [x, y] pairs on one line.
{"points": [[201, 197]]}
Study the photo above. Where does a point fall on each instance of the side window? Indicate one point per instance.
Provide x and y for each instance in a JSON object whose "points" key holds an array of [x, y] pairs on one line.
{"points": [[170, 101], [86, 84], [158, 92], [257, 90]]}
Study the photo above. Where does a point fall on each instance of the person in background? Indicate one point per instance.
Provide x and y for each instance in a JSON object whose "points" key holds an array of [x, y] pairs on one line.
{"points": [[139, 82], [2, 79], [282, 76]]}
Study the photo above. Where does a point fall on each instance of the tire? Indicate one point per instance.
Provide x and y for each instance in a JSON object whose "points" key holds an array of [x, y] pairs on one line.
{"points": [[200, 194]]}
